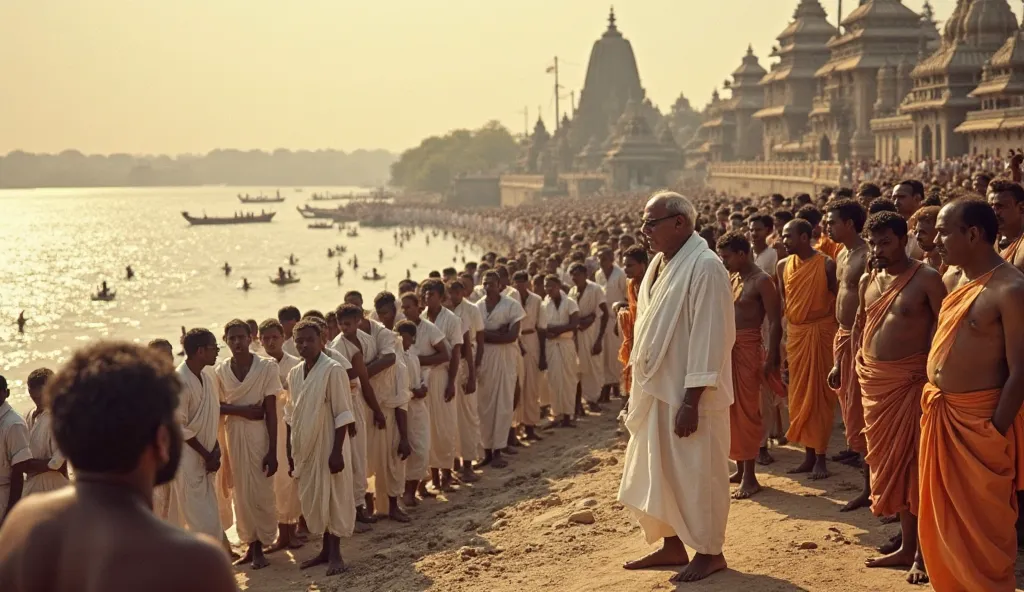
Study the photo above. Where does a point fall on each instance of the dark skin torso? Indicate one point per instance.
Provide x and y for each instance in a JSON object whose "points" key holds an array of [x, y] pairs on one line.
{"points": [[749, 306], [907, 327], [104, 539], [850, 266]]}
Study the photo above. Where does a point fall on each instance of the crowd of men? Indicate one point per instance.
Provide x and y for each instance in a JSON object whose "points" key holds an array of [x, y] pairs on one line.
{"points": [[752, 321]]}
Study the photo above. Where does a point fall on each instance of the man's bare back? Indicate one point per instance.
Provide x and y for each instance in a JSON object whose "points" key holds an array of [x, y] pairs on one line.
{"points": [[907, 327], [100, 537], [850, 268], [978, 358]]}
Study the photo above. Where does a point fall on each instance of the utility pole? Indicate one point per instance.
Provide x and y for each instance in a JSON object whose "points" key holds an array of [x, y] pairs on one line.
{"points": [[839, 18], [557, 88], [572, 102], [526, 121]]}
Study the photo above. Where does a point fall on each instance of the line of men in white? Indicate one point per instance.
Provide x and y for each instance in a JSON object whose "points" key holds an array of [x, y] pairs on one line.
{"points": [[340, 411]]}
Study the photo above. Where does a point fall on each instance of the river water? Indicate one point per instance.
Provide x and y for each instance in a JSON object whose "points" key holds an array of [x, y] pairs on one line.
{"points": [[57, 245]]}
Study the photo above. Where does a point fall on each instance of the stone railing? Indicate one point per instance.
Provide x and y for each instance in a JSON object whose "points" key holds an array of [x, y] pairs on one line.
{"points": [[763, 177]]}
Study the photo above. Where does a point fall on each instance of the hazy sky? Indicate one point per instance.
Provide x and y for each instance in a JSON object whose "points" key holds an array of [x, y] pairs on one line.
{"points": [[192, 75]]}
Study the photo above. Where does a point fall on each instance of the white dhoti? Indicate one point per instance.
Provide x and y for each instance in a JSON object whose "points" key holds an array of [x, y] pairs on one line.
{"points": [[444, 419], [533, 384], [563, 373], [419, 429], [255, 505], [470, 446], [591, 367], [498, 378], [286, 487], [364, 423], [610, 354], [224, 482], [194, 502], [658, 483], [383, 462]]}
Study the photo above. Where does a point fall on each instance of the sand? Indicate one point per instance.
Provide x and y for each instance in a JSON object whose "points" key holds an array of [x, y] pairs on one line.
{"points": [[511, 532]]}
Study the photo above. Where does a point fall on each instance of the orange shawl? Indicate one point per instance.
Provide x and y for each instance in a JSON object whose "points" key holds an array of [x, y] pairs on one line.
{"points": [[969, 473], [848, 394], [626, 320], [828, 246], [1010, 252], [812, 325], [891, 391]]}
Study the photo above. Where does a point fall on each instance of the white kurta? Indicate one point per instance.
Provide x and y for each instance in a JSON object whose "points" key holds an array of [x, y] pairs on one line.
{"points": [[289, 347], [444, 415], [591, 366], [14, 448], [320, 404], [615, 286], [194, 503], [286, 487], [534, 383], [684, 335], [429, 339], [44, 446], [470, 446], [249, 442], [364, 417], [498, 374], [563, 366], [418, 422]]}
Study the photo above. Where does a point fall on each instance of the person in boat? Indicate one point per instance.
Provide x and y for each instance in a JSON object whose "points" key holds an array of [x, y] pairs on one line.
{"points": [[280, 273], [291, 259], [289, 274], [380, 254], [245, 284], [104, 291], [128, 272], [21, 322]]}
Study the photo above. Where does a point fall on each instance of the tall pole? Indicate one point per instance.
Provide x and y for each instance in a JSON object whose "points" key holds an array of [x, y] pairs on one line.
{"points": [[839, 17], [572, 102], [526, 121], [557, 122]]}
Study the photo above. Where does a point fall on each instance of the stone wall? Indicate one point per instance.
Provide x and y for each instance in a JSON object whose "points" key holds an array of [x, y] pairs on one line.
{"points": [[478, 191], [520, 189], [763, 178]]}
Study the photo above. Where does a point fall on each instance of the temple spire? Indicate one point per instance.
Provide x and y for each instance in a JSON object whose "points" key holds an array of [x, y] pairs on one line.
{"points": [[611, 19]]}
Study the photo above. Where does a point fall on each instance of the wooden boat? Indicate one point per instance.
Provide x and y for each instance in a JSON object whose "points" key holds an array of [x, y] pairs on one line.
{"points": [[336, 214], [104, 297], [260, 199], [284, 281], [321, 225], [247, 219], [370, 278]]}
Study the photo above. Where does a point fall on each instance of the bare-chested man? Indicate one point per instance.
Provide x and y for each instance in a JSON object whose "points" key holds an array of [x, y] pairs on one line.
{"points": [[131, 391], [1007, 200], [844, 221], [755, 298], [900, 301], [922, 227], [908, 196], [970, 424]]}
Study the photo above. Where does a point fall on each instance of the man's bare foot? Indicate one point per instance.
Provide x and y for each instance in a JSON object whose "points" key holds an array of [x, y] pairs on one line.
{"points": [[843, 455], [917, 573], [466, 475], [901, 558], [398, 515], [736, 477], [336, 567], [498, 462], [663, 557], [422, 491], [593, 407], [284, 542], [820, 471], [892, 545], [861, 501], [483, 463], [446, 484], [805, 467], [747, 490], [889, 519], [247, 558], [701, 567], [764, 458], [320, 559], [259, 561], [409, 499]]}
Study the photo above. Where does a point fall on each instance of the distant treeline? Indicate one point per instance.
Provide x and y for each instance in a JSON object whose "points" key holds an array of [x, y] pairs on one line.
{"points": [[438, 160], [230, 167]]}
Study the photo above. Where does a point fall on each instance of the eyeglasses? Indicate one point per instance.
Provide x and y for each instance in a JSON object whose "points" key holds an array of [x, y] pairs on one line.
{"points": [[649, 223]]}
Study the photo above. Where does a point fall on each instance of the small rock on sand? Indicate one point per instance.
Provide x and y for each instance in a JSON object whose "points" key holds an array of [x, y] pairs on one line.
{"points": [[587, 502], [807, 545], [582, 517]]}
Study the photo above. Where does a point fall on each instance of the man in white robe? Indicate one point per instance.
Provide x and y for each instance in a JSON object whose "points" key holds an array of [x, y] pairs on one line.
{"points": [[194, 503], [15, 452], [48, 470], [533, 383], [558, 321], [675, 476], [590, 299], [318, 414], [418, 416], [288, 316], [444, 410], [286, 487], [470, 446], [248, 386], [498, 368], [613, 281]]}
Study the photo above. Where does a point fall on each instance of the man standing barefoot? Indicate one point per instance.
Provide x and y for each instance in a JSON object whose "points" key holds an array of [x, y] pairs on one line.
{"points": [[755, 298], [678, 416], [900, 300], [318, 416], [807, 284]]}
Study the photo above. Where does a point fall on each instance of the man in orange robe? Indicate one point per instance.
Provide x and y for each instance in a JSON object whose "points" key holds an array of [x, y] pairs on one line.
{"points": [[755, 298], [900, 300], [972, 435], [807, 283], [1007, 200], [634, 261]]}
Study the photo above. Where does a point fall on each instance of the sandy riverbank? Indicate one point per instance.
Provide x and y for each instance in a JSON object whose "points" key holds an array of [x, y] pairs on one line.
{"points": [[509, 532]]}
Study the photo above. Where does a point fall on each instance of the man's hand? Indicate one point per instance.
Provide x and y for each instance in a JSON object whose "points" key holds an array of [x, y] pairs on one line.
{"points": [[253, 412], [404, 449], [212, 462], [596, 350], [449, 391], [686, 420], [835, 380], [420, 393], [270, 463], [479, 358], [379, 420], [336, 463], [352, 429], [543, 364], [471, 385]]}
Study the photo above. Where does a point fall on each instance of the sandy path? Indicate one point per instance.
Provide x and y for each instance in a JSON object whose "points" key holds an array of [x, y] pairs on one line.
{"points": [[509, 532]]}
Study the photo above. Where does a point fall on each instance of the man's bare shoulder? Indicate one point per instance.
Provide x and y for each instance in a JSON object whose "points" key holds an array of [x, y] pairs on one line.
{"points": [[197, 563], [30, 513], [927, 275], [1008, 283]]}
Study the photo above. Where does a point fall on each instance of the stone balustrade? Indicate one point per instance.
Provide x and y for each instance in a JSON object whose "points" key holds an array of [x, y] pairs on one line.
{"points": [[764, 177]]}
